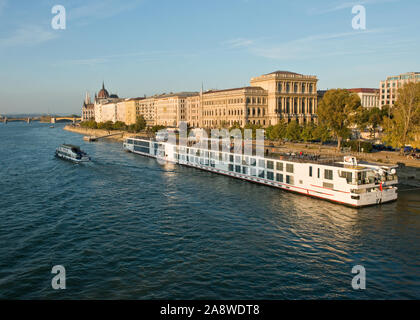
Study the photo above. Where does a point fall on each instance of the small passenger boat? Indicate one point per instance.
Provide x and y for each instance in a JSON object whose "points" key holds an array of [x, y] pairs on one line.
{"points": [[71, 152]]}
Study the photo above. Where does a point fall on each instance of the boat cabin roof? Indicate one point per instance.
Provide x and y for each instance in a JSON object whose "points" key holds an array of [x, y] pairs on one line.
{"points": [[70, 146]]}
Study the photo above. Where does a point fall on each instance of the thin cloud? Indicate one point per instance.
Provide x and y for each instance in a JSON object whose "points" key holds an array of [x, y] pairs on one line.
{"points": [[99, 9], [28, 36], [321, 45], [346, 5], [141, 56], [237, 43]]}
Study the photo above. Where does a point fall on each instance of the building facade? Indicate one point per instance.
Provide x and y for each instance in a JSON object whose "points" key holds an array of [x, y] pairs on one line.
{"points": [[171, 109], [369, 97], [270, 99], [291, 96], [88, 109], [224, 108], [105, 106], [389, 87], [194, 111]]}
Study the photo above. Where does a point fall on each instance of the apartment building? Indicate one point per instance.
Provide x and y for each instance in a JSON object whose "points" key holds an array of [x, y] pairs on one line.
{"points": [[171, 109], [389, 87]]}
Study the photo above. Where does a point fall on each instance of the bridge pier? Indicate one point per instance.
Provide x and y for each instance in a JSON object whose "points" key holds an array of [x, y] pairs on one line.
{"points": [[52, 120], [28, 120]]}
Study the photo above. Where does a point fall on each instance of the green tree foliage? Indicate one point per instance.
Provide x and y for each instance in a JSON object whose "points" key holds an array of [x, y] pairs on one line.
{"points": [[91, 124], [337, 111], [156, 128], [321, 132], [370, 118], [276, 132], [119, 125], [293, 131], [307, 133], [254, 128], [404, 122]]}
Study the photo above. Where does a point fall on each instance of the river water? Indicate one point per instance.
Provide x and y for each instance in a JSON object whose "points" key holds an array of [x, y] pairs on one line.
{"points": [[125, 226]]}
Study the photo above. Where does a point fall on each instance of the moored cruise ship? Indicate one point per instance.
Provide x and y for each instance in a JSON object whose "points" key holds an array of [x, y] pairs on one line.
{"points": [[345, 182]]}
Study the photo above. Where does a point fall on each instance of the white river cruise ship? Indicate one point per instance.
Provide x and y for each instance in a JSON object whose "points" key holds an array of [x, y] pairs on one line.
{"points": [[344, 182]]}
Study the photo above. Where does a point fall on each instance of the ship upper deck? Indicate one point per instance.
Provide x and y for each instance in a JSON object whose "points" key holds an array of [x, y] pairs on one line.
{"points": [[270, 152]]}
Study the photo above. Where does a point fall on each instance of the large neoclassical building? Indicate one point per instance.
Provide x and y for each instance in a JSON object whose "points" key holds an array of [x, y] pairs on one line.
{"points": [[271, 98], [290, 96]]}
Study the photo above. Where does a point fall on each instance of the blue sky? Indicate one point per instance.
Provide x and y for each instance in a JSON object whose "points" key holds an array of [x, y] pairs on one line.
{"points": [[145, 47]]}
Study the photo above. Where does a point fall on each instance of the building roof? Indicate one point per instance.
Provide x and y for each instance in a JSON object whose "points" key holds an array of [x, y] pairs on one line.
{"points": [[103, 93], [233, 89], [284, 72], [364, 90], [178, 94]]}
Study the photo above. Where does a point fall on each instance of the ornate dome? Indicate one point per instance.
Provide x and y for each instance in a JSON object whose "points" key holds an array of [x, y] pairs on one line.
{"points": [[103, 93]]}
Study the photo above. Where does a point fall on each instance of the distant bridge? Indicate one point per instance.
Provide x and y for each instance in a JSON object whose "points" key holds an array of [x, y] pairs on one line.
{"points": [[44, 119], [28, 120], [73, 119]]}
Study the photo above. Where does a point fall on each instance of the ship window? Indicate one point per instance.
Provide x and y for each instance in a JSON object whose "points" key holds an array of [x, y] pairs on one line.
{"points": [[253, 162], [238, 159], [261, 173], [261, 163], [319, 173], [328, 174], [253, 172], [230, 167], [289, 180], [245, 170], [270, 165], [279, 166], [347, 175], [238, 169], [231, 158], [279, 177], [310, 171], [289, 167], [270, 175]]}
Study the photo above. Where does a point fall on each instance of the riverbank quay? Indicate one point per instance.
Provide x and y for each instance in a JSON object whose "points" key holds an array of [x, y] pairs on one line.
{"points": [[117, 135]]}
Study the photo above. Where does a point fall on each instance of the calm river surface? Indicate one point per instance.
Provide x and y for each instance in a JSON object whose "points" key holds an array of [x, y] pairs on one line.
{"points": [[124, 226]]}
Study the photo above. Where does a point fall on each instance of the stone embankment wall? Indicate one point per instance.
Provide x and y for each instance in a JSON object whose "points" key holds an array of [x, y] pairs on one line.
{"points": [[100, 132], [409, 175]]}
